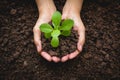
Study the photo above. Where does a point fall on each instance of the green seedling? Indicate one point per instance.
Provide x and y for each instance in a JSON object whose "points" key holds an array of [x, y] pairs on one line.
{"points": [[57, 28]]}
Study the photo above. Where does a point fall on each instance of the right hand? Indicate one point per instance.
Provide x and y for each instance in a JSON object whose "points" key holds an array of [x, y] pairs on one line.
{"points": [[44, 17]]}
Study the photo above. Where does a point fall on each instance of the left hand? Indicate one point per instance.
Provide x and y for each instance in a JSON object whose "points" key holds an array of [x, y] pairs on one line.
{"points": [[80, 28]]}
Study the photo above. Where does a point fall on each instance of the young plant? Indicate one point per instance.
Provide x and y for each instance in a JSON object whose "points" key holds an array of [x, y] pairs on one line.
{"points": [[58, 28]]}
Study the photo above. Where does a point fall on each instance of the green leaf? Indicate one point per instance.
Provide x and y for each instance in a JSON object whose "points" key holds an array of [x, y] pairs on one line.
{"points": [[56, 19], [67, 24], [55, 42], [55, 33], [47, 35], [66, 33], [46, 28]]}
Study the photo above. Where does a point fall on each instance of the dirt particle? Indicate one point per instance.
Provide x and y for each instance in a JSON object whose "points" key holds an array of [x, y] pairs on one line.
{"points": [[52, 53], [16, 54], [98, 58], [98, 43], [103, 52], [23, 17], [87, 56], [109, 71], [107, 56], [103, 64], [25, 63], [13, 11], [73, 78]]}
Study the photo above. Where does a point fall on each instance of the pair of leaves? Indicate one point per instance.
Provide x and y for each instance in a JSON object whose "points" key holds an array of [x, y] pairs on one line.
{"points": [[56, 19], [57, 29], [66, 25], [50, 32], [47, 29], [55, 40]]}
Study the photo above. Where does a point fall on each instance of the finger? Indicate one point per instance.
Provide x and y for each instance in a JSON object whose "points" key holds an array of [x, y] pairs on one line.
{"points": [[74, 54], [46, 56], [55, 59], [37, 34], [81, 38], [65, 58], [64, 16], [75, 28], [37, 40]]}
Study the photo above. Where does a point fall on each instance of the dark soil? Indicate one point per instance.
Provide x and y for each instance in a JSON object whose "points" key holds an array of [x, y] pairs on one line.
{"points": [[67, 45], [99, 60]]}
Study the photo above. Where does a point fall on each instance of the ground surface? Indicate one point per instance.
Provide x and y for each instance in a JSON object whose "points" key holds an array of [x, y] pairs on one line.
{"points": [[99, 60]]}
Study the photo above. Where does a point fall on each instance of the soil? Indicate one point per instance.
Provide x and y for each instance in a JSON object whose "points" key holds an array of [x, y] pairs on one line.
{"points": [[67, 45], [99, 60]]}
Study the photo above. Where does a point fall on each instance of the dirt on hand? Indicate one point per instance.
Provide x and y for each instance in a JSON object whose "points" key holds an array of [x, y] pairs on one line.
{"points": [[66, 46]]}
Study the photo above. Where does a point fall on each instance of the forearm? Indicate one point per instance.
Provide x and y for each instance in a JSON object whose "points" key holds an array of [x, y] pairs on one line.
{"points": [[44, 5], [75, 5]]}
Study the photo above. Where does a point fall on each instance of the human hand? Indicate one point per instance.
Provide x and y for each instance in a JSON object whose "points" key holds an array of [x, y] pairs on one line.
{"points": [[45, 13], [79, 27]]}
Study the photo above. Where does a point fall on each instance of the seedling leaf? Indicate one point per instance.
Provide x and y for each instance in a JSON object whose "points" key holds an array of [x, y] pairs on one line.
{"points": [[47, 35], [56, 19], [55, 33], [55, 42], [66, 33], [67, 25], [46, 28], [58, 28]]}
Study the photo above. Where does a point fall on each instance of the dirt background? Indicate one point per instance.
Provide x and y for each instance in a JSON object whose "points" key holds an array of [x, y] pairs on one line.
{"points": [[99, 60]]}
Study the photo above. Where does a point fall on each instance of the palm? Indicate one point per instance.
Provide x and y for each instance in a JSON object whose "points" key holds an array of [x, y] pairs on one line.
{"points": [[79, 27], [45, 18]]}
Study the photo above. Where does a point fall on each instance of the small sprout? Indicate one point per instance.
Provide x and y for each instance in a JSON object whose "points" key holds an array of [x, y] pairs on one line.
{"points": [[59, 28]]}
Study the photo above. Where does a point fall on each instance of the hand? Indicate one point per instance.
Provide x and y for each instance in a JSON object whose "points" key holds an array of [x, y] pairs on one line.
{"points": [[45, 14], [79, 27]]}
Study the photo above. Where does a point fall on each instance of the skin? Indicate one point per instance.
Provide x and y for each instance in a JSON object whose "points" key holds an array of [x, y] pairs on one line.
{"points": [[71, 10]]}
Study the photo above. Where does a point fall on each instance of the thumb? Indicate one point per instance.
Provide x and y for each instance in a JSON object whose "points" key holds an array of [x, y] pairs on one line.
{"points": [[81, 39], [37, 40]]}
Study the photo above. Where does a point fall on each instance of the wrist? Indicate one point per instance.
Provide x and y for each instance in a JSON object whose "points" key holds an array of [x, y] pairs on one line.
{"points": [[45, 6], [74, 5]]}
